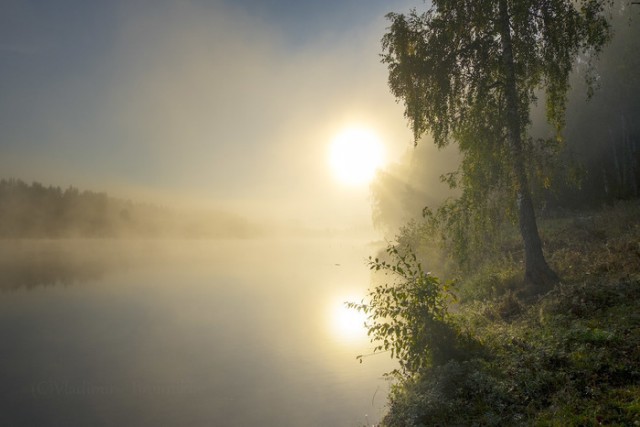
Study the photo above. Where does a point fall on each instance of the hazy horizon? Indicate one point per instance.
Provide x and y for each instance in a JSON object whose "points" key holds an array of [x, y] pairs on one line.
{"points": [[225, 105]]}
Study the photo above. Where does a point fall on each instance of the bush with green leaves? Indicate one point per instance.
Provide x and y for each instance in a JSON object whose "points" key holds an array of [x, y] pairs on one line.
{"points": [[409, 317]]}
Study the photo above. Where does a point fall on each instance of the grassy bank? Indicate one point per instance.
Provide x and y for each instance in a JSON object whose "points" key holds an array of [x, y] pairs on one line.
{"points": [[570, 357]]}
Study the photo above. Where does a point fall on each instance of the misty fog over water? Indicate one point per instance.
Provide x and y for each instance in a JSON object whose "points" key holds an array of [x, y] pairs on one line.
{"points": [[230, 333]]}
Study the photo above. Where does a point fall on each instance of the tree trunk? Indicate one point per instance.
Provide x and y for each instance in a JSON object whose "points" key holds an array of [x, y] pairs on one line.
{"points": [[537, 271]]}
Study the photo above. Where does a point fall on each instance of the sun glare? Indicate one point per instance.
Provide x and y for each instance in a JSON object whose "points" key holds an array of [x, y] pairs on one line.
{"points": [[354, 156], [347, 323]]}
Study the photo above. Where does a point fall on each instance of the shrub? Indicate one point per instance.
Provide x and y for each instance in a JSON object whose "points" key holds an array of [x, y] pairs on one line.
{"points": [[409, 316]]}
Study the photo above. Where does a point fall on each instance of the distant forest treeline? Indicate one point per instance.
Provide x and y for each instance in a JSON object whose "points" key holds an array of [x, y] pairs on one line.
{"points": [[36, 211], [602, 136]]}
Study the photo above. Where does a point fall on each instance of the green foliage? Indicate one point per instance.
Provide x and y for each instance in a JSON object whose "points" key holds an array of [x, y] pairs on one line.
{"points": [[446, 64], [596, 161], [461, 234], [568, 358], [551, 364], [455, 393], [409, 317], [468, 228], [469, 72]]}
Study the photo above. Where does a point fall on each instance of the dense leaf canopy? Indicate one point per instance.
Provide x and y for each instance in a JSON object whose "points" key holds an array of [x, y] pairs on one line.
{"points": [[446, 63], [469, 71]]}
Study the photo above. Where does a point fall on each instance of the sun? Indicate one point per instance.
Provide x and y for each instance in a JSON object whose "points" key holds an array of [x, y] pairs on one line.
{"points": [[355, 155]]}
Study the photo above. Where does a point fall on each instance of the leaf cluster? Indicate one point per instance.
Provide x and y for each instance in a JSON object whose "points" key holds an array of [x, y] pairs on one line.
{"points": [[409, 316], [446, 64]]}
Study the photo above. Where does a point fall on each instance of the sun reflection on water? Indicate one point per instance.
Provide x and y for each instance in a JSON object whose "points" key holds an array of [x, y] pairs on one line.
{"points": [[347, 324]]}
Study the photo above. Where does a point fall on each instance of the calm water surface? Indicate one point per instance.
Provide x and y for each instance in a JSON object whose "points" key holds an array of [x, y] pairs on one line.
{"points": [[236, 333]]}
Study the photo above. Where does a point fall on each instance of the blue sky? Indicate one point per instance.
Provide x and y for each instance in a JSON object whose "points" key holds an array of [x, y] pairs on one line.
{"points": [[223, 103]]}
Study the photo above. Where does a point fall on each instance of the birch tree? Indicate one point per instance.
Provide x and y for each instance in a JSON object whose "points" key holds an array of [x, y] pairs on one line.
{"points": [[468, 71]]}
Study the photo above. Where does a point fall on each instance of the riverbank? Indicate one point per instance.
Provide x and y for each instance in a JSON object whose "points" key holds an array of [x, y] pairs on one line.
{"points": [[570, 357]]}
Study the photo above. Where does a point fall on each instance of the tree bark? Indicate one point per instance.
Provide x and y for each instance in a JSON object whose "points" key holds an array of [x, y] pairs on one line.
{"points": [[537, 271]]}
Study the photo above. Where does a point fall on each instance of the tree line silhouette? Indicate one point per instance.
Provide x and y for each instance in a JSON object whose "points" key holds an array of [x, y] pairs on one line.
{"points": [[38, 211]]}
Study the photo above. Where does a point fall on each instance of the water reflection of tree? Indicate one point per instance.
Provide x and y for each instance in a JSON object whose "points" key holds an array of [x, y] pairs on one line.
{"points": [[30, 266]]}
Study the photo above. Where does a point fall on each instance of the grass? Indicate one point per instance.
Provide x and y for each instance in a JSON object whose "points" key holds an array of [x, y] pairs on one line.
{"points": [[570, 357]]}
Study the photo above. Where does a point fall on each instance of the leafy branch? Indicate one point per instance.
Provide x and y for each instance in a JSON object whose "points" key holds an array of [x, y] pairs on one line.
{"points": [[408, 317]]}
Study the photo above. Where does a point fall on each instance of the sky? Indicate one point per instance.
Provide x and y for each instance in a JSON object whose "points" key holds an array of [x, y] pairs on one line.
{"points": [[227, 104]]}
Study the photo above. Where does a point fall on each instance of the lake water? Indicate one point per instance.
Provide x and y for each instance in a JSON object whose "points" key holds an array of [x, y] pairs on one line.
{"points": [[199, 333]]}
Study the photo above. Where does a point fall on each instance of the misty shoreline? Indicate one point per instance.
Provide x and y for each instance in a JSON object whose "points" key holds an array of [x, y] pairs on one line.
{"points": [[36, 211]]}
